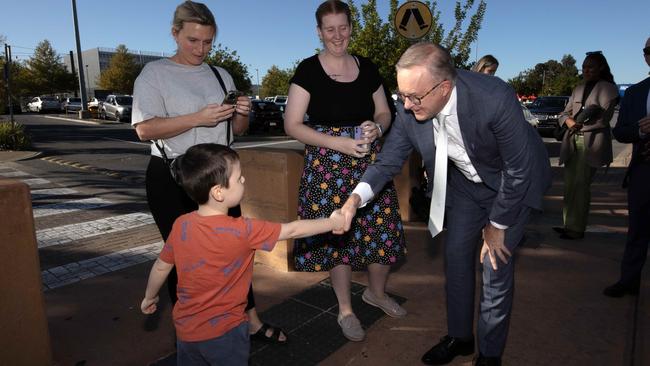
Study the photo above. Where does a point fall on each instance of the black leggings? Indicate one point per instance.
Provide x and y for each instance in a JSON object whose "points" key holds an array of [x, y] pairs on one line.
{"points": [[167, 201]]}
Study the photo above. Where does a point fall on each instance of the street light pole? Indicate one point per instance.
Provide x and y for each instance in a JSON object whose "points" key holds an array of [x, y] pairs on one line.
{"points": [[258, 82], [82, 83], [87, 81]]}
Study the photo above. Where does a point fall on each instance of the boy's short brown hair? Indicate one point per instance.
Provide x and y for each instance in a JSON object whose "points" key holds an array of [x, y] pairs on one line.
{"points": [[202, 167]]}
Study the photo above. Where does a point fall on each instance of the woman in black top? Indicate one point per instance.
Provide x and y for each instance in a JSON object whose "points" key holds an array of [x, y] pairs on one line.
{"points": [[338, 92]]}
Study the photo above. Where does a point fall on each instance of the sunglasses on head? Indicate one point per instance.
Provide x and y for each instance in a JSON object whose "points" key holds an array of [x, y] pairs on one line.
{"points": [[646, 51], [594, 53]]}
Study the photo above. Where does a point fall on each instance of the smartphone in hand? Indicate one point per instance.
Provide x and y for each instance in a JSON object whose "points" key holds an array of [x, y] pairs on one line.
{"points": [[231, 97]]}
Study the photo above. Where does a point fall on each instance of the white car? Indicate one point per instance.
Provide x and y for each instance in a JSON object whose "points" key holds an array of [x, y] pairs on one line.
{"points": [[43, 104], [529, 116]]}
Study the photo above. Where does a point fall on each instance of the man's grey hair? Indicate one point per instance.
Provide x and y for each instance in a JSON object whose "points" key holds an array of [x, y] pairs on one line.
{"points": [[435, 58]]}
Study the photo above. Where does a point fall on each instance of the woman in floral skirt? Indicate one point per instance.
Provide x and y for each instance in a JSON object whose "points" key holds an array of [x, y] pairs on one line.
{"points": [[341, 93]]}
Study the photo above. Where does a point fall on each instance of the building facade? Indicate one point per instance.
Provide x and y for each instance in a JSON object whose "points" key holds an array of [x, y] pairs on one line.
{"points": [[96, 60]]}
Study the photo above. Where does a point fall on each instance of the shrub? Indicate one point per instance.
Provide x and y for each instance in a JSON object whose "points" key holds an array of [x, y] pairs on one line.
{"points": [[13, 137]]}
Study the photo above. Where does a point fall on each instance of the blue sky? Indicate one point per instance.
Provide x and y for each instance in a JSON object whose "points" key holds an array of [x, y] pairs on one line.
{"points": [[266, 33]]}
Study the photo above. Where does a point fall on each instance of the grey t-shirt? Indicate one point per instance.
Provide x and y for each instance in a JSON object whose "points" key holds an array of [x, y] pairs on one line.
{"points": [[165, 88]]}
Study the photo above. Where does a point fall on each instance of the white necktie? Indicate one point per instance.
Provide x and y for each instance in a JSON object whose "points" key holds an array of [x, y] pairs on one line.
{"points": [[437, 211]]}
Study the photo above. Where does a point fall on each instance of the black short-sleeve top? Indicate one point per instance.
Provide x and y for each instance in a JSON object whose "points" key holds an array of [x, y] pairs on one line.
{"points": [[333, 103]]}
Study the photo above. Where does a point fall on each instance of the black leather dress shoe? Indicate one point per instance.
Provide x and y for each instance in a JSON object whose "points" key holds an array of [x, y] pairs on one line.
{"points": [[571, 235], [619, 290], [559, 229], [487, 361], [447, 349]]}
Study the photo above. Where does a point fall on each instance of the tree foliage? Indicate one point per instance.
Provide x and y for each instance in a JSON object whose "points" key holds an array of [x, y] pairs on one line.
{"points": [[47, 72], [223, 57], [379, 41], [276, 81], [121, 72], [548, 78]]}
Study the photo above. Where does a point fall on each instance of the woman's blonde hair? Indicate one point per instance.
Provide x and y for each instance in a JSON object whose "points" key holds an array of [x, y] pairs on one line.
{"points": [[485, 61], [192, 12]]}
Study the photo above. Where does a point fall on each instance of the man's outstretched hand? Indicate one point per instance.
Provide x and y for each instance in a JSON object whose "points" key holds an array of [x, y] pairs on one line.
{"points": [[348, 210]]}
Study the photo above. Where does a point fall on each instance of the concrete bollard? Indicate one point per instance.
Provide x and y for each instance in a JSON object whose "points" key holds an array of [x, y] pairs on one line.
{"points": [[272, 179], [24, 336]]}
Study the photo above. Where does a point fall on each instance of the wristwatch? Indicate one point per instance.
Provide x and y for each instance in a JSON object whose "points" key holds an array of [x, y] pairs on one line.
{"points": [[381, 130]]}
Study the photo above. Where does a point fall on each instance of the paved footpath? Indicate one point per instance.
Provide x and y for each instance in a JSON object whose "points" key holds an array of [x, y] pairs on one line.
{"points": [[93, 284]]}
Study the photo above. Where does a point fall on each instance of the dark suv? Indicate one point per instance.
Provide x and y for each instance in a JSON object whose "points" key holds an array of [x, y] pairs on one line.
{"points": [[264, 116], [547, 110]]}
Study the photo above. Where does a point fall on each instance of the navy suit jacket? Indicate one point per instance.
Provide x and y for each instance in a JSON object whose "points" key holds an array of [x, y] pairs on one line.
{"points": [[633, 108], [506, 151]]}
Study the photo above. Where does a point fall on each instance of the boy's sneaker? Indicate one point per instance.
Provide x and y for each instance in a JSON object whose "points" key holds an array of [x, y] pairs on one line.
{"points": [[388, 305], [351, 327]]}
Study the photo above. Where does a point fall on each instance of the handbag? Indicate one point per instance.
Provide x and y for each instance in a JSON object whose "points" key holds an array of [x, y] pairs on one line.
{"points": [[172, 164], [560, 131]]}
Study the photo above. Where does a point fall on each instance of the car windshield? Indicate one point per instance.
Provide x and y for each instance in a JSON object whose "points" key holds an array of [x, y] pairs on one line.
{"points": [[548, 103], [48, 99], [124, 100], [281, 100], [75, 100], [267, 106]]}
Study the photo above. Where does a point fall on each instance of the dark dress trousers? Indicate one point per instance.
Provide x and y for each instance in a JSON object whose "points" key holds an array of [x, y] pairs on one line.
{"points": [[633, 108]]}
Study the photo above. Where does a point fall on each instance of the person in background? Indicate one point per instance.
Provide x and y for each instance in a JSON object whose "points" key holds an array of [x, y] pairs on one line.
{"points": [[587, 143], [214, 254], [178, 102], [488, 64], [341, 92], [633, 127], [495, 170]]}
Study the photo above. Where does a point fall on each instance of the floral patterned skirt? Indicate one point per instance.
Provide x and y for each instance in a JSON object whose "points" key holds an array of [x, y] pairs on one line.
{"points": [[328, 178]]}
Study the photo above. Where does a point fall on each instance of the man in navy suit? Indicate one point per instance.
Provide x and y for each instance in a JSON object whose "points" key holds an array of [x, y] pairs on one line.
{"points": [[498, 170], [633, 126]]}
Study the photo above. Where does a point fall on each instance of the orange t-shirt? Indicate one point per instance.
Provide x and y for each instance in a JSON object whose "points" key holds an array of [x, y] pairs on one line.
{"points": [[213, 256]]}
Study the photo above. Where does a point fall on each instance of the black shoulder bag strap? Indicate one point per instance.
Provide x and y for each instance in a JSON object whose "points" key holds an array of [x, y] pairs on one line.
{"points": [[225, 92]]}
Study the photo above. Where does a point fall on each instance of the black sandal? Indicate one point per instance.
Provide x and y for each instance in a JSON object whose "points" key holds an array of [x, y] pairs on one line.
{"points": [[260, 335]]}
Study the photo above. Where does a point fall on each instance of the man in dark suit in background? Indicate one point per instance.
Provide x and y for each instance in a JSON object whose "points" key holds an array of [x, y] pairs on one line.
{"points": [[499, 171], [633, 126]]}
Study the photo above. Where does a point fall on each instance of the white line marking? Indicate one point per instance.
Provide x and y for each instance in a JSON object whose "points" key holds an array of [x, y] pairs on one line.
{"points": [[93, 267], [40, 193], [74, 120], [128, 142], [70, 206], [14, 174], [35, 181], [68, 233]]}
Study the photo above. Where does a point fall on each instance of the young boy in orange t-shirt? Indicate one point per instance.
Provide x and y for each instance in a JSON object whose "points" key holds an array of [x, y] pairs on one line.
{"points": [[213, 254]]}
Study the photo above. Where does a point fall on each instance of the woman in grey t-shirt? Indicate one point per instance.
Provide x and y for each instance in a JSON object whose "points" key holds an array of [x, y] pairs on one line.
{"points": [[178, 102]]}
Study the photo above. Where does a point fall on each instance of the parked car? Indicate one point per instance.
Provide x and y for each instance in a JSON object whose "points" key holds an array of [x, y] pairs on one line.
{"points": [[529, 116], [117, 107], [43, 104], [71, 105], [95, 102], [547, 110], [264, 116]]}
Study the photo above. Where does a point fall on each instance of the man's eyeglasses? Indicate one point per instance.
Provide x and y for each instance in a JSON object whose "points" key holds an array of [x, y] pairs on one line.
{"points": [[417, 100], [646, 51]]}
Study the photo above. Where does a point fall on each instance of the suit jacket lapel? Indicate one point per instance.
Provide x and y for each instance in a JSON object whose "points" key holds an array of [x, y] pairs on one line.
{"points": [[466, 117]]}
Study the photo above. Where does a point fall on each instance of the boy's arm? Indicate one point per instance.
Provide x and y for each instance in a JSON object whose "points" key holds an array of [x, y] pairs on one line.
{"points": [[304, 228], [157, 277]]}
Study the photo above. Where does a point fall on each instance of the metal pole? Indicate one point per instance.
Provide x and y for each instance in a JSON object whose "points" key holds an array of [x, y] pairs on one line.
{"points": [[258, 82], [87, 81], [8, 79], [80, 62]]}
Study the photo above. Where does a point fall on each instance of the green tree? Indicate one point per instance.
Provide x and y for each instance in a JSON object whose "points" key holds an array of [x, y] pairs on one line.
{"points": [[47, 73], [276, 81], [548, 78], [121, 72], [223, 57], [379, 41]]}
